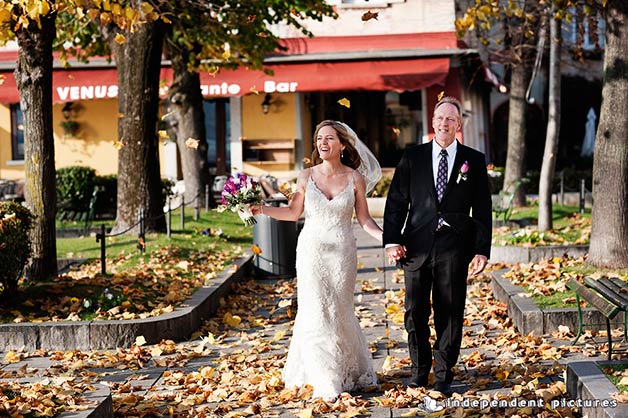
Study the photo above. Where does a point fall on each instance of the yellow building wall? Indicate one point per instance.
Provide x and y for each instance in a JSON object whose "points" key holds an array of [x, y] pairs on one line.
{"points": [[274, 132], [9, 170], [93, 145]]}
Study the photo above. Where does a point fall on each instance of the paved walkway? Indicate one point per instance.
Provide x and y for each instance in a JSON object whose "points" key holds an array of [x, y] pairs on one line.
{"points": [[232, 366]]}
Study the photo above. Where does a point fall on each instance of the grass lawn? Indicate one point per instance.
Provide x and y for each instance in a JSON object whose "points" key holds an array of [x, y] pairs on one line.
{"points": [[546, 280], [617, 374], [569, 227], [136, 285]]}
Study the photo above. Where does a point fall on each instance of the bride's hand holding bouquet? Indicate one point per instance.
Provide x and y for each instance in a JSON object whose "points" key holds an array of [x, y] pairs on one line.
{"points": [[239, 194]]}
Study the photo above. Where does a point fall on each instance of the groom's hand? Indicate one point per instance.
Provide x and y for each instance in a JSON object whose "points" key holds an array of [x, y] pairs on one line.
{"points": [[478, 263], [395, 253]]}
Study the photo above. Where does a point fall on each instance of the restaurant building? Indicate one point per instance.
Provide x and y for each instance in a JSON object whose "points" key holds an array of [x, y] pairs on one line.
{"points": [[382, 76]]}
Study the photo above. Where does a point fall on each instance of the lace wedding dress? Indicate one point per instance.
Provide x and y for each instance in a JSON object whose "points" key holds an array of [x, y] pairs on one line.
{"points": [[328, 349]]}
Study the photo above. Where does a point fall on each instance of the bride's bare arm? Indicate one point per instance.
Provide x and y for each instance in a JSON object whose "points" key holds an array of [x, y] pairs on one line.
{"points": [[362, 210], [295, 206]]}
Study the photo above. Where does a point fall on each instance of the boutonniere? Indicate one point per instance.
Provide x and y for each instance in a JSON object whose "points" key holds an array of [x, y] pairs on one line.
{"points": [[462, 173]]}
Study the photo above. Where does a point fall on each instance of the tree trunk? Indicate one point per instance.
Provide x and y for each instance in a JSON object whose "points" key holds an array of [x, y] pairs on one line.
{"points": [[515, 156], [186, 120], [548, 166], [34, 81], [609, 232], [138, 61]]}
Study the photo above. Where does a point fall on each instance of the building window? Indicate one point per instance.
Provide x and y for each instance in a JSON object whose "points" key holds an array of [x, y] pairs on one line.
{"points": [[17, 133]]}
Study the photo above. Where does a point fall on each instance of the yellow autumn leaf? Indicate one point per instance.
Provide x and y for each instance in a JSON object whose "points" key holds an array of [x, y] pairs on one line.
{"points": [[226, 55], [501, 374], [163, 134], [192, 143], [147, 8], [285, 302], [254, 90], [305, 413], [441, 95], [345, 102], [231, 320], [279, 335], [140, 340], [11, 357], [156, 351], [44, 8], [256, 250], [120, 39]]}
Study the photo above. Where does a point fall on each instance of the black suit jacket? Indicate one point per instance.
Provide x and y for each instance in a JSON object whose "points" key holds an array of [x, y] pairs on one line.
{"points": [[412, 208]]}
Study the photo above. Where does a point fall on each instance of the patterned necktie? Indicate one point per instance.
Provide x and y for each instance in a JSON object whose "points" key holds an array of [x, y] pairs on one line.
{"points": [[441, 181], [441, 175]]}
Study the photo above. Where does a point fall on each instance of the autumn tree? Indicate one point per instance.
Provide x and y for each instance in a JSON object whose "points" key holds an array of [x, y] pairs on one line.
{"points": [[209, 37], [32, 24], [508, 33], [609, 231]]}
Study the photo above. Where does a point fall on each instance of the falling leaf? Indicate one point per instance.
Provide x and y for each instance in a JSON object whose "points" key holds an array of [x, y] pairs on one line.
{"points": [[119, 144], [120, 39], [369, 15], [441, 95], [256, 250], [192, 143], [163, 134], [253, 89], [345, 102], [140, 340]]}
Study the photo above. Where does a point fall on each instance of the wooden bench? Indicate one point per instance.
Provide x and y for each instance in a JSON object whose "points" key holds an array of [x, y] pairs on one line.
{"points": [[607, 295]]}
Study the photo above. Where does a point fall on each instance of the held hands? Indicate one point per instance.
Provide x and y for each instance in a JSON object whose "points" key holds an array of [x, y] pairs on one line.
{"points": [[395, 253], [478, 263]]}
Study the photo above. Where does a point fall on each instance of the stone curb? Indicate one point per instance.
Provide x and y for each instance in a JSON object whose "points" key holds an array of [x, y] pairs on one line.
{"points": [[89, 335], [529, 318], [515, 254], [586, 382]]}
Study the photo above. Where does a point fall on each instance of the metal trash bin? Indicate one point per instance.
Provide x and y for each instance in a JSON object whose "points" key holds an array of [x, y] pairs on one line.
{"points": [[278, 242]]}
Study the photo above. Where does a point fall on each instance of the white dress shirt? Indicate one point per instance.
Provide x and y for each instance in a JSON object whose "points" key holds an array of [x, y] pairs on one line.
{"points": [[451, 157]]}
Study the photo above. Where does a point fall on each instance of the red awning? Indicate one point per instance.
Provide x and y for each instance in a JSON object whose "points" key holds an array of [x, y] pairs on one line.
{"points": [[394, 74]]}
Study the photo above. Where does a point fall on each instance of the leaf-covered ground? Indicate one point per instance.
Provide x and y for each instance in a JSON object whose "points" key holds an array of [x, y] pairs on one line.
{"points": [[232, 366]]}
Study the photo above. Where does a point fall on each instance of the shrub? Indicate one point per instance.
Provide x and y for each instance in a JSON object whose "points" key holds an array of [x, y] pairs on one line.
{"points": [[75, 186], [382, 186], [15, 244]]}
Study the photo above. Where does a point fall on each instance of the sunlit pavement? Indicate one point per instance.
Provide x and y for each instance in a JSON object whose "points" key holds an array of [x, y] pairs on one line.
{"points": [[232, 366]]}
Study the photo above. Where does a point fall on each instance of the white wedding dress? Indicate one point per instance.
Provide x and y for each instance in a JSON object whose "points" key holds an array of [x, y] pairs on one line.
{"points": [[328, 350]]}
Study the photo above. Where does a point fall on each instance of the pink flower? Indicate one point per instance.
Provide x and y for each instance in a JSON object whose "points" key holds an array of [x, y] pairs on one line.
{"points": [[462, 174]]}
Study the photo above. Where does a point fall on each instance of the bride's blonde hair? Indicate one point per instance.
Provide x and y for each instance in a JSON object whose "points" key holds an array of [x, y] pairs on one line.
{"points": [[350, 156]]}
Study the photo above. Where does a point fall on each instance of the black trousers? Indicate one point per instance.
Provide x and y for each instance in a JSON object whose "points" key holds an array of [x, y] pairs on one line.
{"points": [[444, 277]]}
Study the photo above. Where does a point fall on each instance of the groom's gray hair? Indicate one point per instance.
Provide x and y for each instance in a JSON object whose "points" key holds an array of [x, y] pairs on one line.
{"points": [[451, 100]]}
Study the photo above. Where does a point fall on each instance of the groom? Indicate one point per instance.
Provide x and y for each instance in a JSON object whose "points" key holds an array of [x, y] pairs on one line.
{"points": [[441, 188]]}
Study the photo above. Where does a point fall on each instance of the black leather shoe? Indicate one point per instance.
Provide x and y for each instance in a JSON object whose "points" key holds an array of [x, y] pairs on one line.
{"points": [[418, 380], [444, 388]]}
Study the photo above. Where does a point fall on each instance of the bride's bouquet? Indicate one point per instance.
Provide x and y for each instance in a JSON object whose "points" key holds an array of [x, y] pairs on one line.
{"points": [[239, 193]]}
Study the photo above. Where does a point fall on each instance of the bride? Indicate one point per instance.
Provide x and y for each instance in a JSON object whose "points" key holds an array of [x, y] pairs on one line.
{"points": [[328, 350]]}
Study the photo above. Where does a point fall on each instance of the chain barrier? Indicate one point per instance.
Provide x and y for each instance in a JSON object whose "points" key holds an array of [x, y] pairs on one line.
{"points": [[142, 220]]}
